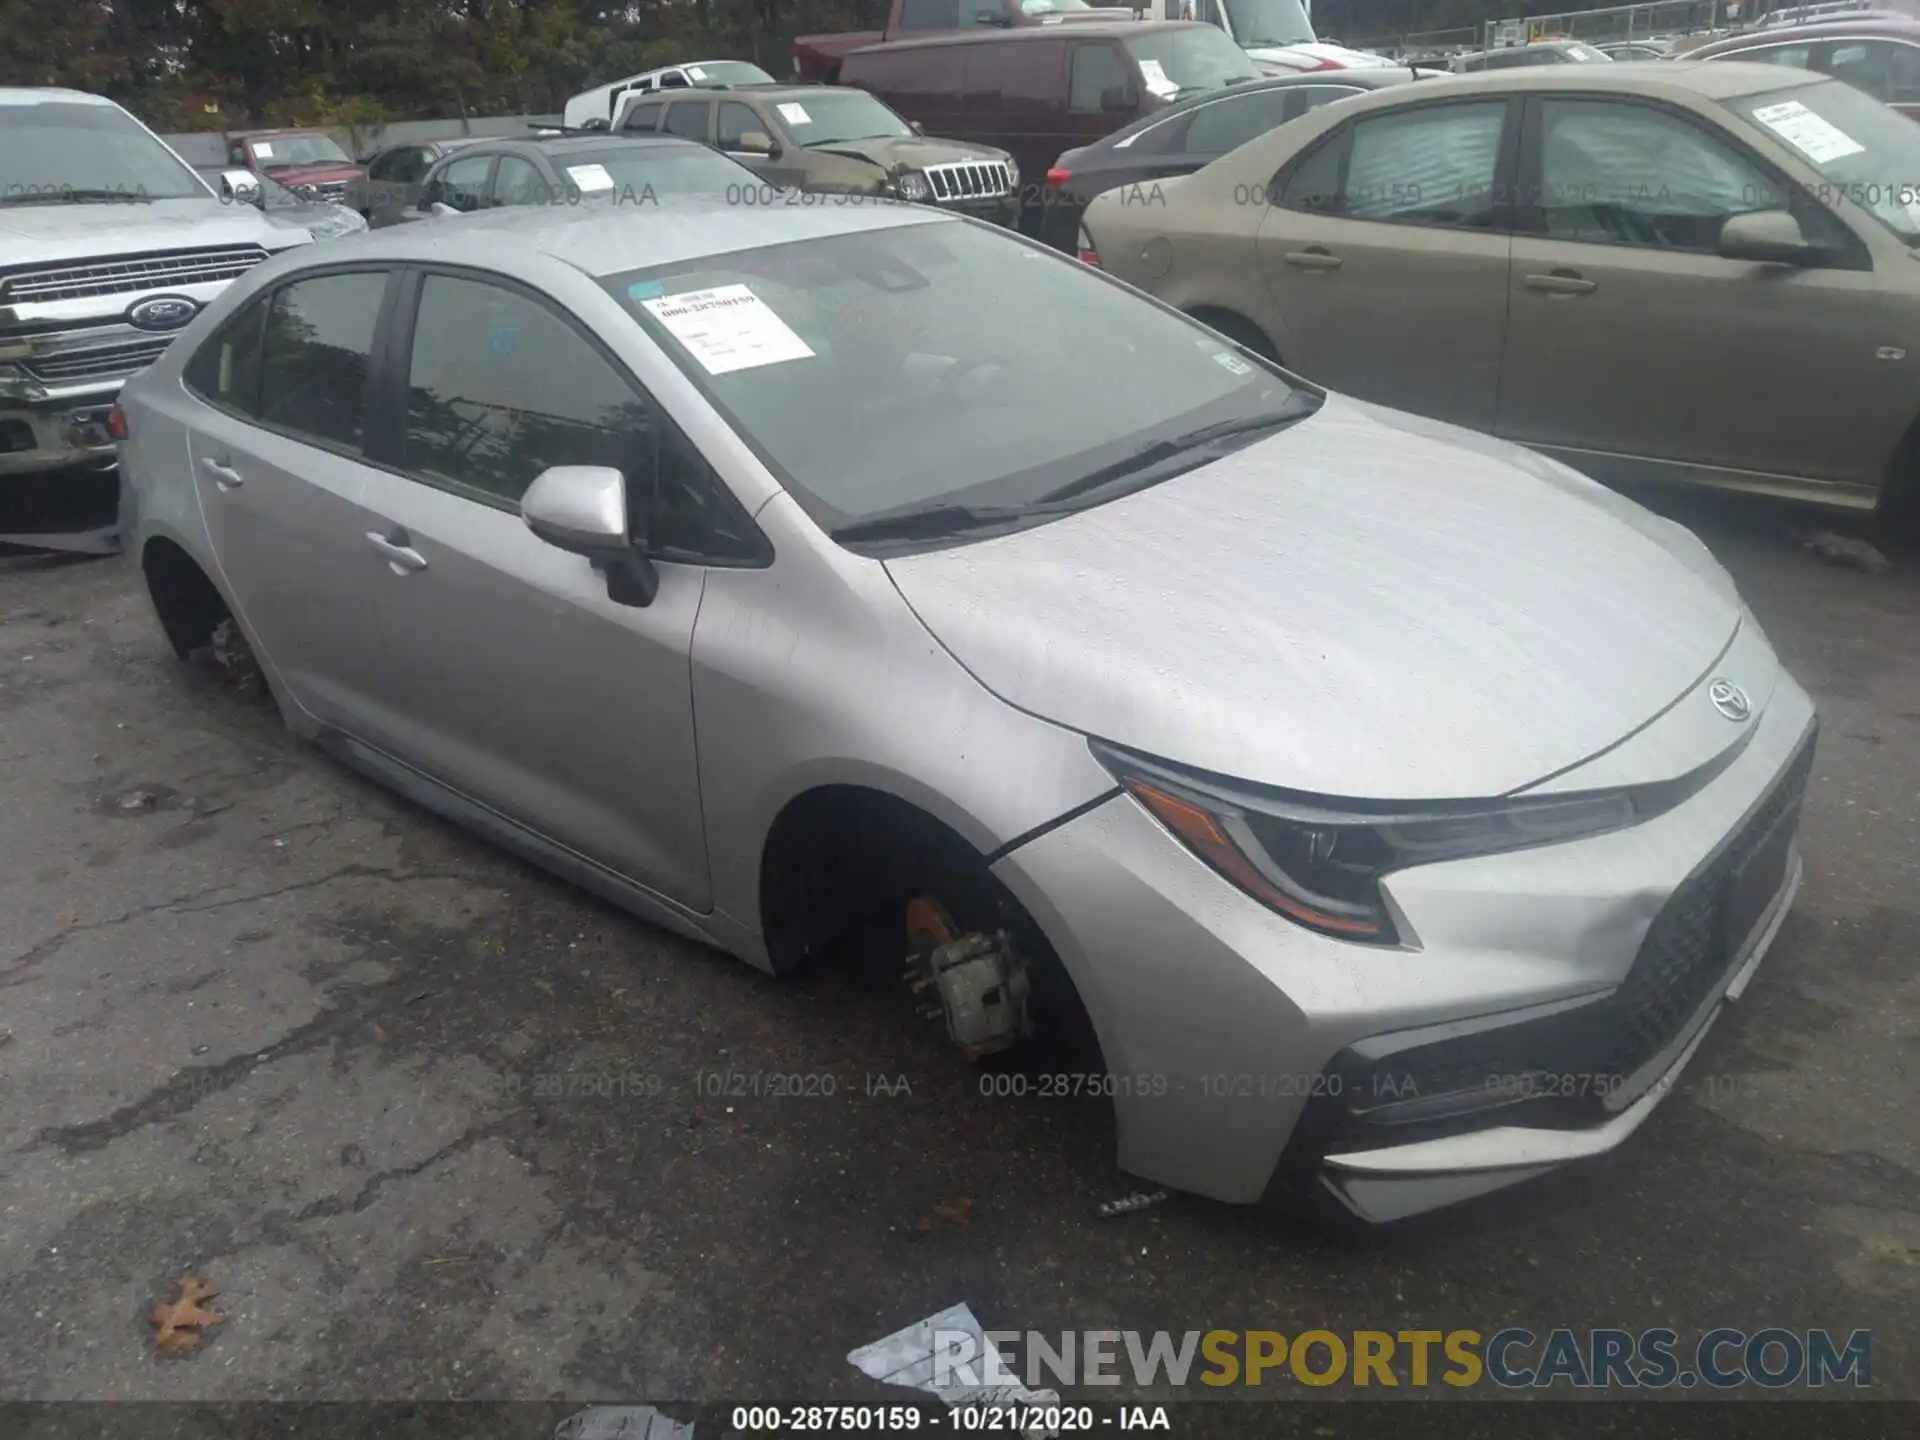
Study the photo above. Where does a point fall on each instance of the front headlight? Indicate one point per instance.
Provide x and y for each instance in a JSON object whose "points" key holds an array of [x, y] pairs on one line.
{"points": [[1319, 862], [913, 186], [1013, 174]]}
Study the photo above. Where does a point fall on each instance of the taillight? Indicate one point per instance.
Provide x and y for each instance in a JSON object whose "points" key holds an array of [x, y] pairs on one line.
{"points": [[1084, 243], [1059, 175], [117, 423]]}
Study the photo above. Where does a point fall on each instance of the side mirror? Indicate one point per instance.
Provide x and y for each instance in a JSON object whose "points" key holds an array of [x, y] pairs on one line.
{"points": [[756, 142], [1771, 237], [918, 128], [440, 207], [241, 187], [582, 509]]}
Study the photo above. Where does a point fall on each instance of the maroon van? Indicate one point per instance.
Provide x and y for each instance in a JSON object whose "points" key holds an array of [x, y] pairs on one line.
{"points": [[1036, 92]]}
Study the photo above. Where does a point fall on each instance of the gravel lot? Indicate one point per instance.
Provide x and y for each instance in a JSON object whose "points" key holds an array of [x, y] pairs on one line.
{"points": [[262, 1022]]}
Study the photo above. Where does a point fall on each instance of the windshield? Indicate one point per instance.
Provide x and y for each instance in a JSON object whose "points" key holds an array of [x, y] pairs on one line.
{"points": [[826, 117], [1870, 153], [55, 151], [1262, 22], [936, 364], [283, 150], [1176, 62], [635, 172], [1584, 53], [727, 72]]}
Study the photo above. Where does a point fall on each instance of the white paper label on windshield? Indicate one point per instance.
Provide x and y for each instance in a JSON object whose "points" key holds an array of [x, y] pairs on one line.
{"points": [[694, 72], [1817, 139], [1156, 78], [262, 150], [1232, 363], [794, 114], [590, 178], [728, 328]]}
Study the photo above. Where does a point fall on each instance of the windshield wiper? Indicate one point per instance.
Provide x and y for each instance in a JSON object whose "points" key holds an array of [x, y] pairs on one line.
{"points": [[1297, 406], [930, 522], [77, 197]]}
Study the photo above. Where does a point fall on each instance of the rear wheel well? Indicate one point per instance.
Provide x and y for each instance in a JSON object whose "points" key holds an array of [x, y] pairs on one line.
{"points": [[1237, 327], [840, 866], [189, 604]]}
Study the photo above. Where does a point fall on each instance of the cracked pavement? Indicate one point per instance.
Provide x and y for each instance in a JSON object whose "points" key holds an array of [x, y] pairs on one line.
{"points": [[435, 1123]]}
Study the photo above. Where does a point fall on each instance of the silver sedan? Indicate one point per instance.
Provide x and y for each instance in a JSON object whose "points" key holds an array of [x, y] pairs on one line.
{"points": [[1385, 811]]}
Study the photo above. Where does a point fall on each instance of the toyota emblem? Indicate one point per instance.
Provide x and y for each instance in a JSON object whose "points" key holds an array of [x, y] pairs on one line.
{"points": [[1729, 699]]}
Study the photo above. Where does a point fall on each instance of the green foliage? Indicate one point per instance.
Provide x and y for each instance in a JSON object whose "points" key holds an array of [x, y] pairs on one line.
{"points": [[202, 64]]}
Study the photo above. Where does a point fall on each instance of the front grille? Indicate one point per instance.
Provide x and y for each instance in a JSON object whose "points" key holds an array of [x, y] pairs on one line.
{"points": [[332, 190], [96, 362], [131, 276], [986, 180], [1562, 1068]]}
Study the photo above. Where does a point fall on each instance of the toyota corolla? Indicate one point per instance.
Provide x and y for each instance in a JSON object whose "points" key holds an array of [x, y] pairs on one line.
{"points": [[1390, 809]]}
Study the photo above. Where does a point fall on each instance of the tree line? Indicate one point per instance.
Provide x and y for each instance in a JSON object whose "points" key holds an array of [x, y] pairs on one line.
{"points": [[213, 64]]}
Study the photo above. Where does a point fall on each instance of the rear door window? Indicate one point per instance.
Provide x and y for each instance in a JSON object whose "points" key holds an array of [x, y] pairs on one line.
{"points": [[1228, 124], [315, 355], [1432, 165], [690, 119]]}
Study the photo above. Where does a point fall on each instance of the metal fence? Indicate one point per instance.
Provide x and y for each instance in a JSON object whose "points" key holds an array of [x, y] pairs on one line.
{"points": [[1620, 22]]}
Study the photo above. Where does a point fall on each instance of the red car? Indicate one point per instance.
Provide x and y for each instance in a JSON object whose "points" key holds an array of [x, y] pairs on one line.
{"points": [[308, 162]]}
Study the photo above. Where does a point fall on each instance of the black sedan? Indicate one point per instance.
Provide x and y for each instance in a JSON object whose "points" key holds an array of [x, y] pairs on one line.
{"points": [[574, 170], [1181, 138]]}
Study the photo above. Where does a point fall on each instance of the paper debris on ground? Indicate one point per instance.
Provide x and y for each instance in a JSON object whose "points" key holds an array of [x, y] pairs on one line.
{"points": [[969, 1370], [1127, 1204], [622, 1422]]}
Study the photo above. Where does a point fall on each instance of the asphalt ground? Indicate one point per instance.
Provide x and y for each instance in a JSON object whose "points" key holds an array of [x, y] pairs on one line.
{"points": [[441, 1127]]}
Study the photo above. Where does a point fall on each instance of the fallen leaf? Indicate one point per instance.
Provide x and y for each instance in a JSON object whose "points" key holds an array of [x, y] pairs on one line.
{"points": [[180, 1324], [956, 1211]]}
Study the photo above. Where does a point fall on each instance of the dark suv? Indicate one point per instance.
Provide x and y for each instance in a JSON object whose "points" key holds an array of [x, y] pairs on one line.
{"points": [[828, 139]]}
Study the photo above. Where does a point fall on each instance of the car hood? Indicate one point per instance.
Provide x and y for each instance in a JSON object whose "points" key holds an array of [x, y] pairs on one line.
{"points": [[317, 174], [1366, 605], [909, 152], [32, 234], [322, 220]]}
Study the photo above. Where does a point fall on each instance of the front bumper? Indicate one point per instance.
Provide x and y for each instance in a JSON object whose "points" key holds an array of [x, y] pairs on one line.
{"points": [[1567, 985], [1001, 210], [38, 436]]}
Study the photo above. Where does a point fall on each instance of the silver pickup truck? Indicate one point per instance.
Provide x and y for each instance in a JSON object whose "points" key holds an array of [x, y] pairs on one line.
{"points": [[110, 244]]}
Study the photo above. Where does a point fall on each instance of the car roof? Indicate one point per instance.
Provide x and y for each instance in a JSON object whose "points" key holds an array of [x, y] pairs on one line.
{"points": [[1837, 28], [1031, 34], [277, 130], [41, 94], [1709, 79], [560, 146], [1369, 78], [777, 90], [609, 240]]}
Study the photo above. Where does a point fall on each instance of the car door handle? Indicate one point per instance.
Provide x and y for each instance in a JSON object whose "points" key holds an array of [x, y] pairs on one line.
{"points": [[1314, 257], [397, 546], [1563, 282], [221, 473]]}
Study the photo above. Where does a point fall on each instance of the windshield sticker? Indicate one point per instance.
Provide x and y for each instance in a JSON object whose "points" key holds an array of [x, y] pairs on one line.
{"points": [[728, 328], [1156, 79], [1817, 139], [1231, 363], [645, 289], [794, 114], [590, 178], [262, 150], [694, 72]]}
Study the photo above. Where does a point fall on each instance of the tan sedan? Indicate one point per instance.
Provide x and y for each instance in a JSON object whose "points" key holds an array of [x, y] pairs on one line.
{"points": [[1674, 271]]}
